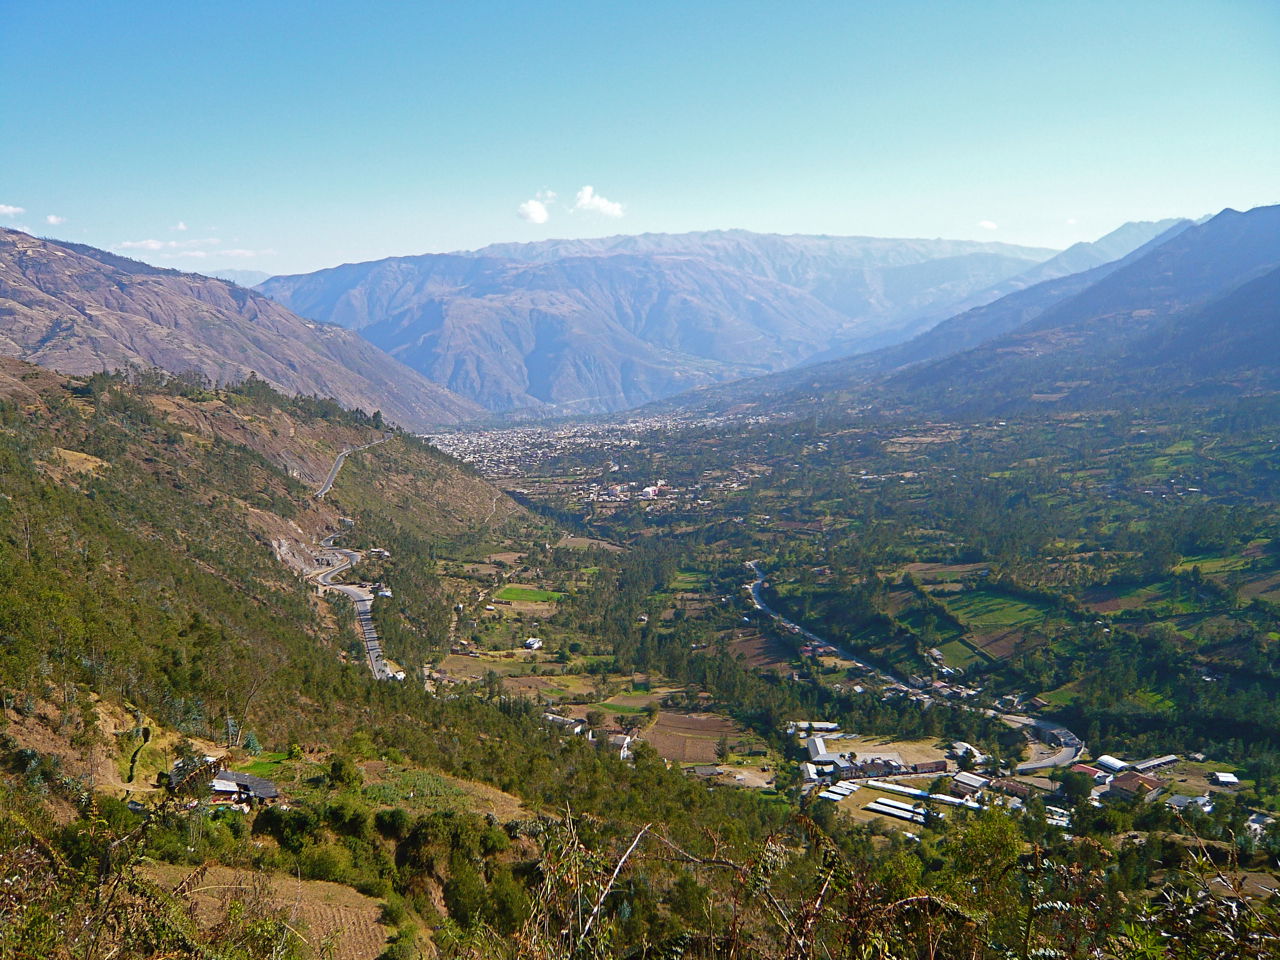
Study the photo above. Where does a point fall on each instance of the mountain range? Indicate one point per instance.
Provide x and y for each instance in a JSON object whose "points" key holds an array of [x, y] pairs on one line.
{"points": [[79, 310], [590, 326], [713, 320], [1192, 312]]}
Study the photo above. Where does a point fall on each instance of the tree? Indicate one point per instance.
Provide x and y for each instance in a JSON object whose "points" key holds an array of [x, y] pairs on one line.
{"points": [[1076, 786], [344, 773], [722, 748]]}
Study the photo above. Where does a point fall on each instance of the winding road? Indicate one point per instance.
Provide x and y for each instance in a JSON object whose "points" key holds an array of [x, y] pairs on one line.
{"points": [[361, 596], [1046, 731], [337, 466]]}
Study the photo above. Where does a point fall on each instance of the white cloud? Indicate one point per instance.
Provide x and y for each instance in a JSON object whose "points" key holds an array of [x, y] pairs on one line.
{"points": [[154, 245], [180, 225], [534, 211], [988, 225], [8, 210], [1071, 221], [54, 219], [588, 199], [237, 252], [246, 253]]}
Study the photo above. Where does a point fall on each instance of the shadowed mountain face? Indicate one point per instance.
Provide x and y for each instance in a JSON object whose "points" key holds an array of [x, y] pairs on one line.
{"points": [[79, 310], [1195, 310], [600, 325], [1116, 338]]}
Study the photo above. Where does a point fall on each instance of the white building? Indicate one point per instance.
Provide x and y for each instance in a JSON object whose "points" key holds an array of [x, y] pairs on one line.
{"points": [[1110, 763]]}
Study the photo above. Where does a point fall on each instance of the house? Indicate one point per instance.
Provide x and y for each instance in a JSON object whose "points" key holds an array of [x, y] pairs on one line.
{"points": [[961, 749], [1014, 788], [230, 786], [568, 724], [533, 643], [1257, 823], [809, 771], [622, 743], [1220, 778], [706, 771], [932, 766], [1182, 803], [1111, 764], [968, 783], [1134, 786]]}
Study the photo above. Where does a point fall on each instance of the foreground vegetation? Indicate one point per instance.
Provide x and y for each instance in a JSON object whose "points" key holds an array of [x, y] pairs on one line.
{"points": [[147, 618]]}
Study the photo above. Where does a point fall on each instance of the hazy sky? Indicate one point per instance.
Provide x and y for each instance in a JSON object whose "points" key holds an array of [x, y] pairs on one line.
{"points": [[291, 136]]}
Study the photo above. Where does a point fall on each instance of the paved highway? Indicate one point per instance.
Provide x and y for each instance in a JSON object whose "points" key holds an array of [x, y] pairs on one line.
{"points": [[362, 597], [1045, 730], [337, 465]]}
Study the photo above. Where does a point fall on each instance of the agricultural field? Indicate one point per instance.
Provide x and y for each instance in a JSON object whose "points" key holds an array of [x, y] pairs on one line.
{"points": [[689, 737], [347, 922], [523, 594], [995, 622], [762, 651]]}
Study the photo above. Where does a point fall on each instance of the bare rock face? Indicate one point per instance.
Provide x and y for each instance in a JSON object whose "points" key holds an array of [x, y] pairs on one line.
{"points": [[79, 310]]}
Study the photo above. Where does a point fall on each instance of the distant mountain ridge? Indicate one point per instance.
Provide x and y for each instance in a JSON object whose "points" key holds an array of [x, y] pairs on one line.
{"points": [[245, 278], [79, 310], [1195, 311], [590, 326]]}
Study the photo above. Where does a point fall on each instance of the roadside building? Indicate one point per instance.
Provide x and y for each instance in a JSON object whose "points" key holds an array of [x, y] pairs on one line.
{"points": [[931, 766]]}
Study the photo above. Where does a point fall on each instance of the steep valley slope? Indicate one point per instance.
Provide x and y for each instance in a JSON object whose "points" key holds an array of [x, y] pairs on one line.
{"points": [[79, 310]]}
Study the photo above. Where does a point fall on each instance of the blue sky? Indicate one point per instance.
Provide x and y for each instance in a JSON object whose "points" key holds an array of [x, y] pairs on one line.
{"points": [[290, 136]]}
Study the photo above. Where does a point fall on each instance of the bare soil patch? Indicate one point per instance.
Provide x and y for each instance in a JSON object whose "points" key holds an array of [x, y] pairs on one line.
{"points": [[1000, 645], [911, 751], [762, 651]]}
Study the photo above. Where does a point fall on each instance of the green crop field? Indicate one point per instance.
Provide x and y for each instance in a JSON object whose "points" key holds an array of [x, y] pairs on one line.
{"points": [[982, 610], [527, 594]]}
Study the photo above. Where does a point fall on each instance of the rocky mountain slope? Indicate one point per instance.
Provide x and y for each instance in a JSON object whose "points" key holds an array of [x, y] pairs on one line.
{"points": [[1100, 344], [1194, 309], [79, 310], [588, 326]]}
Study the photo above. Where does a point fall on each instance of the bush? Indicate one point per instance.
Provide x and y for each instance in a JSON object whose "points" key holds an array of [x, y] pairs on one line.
{"points": [[344, 773], [393, 824], [326, 861]]}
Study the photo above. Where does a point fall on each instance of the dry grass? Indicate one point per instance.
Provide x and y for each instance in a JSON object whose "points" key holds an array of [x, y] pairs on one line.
{"points": [[911, 751], [321, 910]]}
